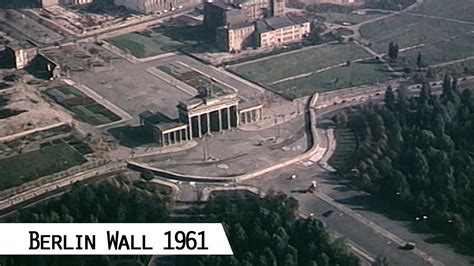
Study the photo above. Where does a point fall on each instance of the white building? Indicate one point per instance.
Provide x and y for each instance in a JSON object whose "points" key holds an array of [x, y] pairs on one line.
{"points": [[150, 6]]}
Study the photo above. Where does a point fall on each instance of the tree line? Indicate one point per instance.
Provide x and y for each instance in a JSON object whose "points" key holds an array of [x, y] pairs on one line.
{"points": [[266, 231], [112, 201], [418, 151], [261, 231]]}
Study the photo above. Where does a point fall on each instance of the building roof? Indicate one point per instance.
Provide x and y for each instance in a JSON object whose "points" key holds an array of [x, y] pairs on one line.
{"points": [[169, 125], [262, 27], [274, 23], [243, 105], [240, 25], [298, 19], [279, 22], [20, 45], [222, 5], [198, 103]]}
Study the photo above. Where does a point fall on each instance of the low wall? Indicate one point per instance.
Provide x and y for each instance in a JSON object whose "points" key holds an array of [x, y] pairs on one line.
{"points": [[172, 175]]}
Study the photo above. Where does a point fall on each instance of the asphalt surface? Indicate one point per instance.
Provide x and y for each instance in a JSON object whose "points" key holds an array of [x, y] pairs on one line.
{"points": [[363, 235]]}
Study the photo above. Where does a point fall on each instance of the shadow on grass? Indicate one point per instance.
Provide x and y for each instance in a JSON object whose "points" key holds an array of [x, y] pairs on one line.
{"points": [[130, 136]]}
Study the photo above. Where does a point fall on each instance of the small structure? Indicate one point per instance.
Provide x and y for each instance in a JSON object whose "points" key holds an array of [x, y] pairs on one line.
{"points": [[200, 116], [20, 55], [268, 32], [210, 114], [250, 112], [281, 30], [235, 37], [165, 131]]}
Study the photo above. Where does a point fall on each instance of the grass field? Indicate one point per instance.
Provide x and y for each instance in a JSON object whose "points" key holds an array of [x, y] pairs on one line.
{"points": [[408, 30], [440, 52], [84, 108], [287, 65], [345, 148], [339, 18], [142, 46], [454, 9], [343, 77], [32, 165]]}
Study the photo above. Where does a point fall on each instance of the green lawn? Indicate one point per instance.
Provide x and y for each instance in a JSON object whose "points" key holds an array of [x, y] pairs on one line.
{"points": [[440, 52], [304, 61], [85, 109], [345, 147], [142, 46], [454, 9], [29, 166], [352, 18], [338, 78], [409, 30]]}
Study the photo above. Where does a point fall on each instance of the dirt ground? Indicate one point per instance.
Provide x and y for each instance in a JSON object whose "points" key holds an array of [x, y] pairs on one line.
{"points": [[38, 112]]}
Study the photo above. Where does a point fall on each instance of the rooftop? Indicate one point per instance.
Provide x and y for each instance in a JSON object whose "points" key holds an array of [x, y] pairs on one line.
{"points": [[274, 23], [248, 104], [240, 25], [223, 6], [20, 45], [164, 126], [197, 103]]}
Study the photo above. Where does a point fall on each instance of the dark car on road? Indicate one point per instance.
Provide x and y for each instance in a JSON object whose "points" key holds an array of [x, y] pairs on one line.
{"points": [[327, 213]]}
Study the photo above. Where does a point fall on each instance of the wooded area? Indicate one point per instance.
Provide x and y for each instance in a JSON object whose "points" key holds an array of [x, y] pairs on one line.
{"points": [[417, 152], [266, 231]]}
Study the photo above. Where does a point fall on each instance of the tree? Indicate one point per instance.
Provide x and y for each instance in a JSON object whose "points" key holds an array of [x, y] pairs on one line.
{"points": [[381, 261], [389, 97], [393, 51], [419, 61], [431, 74], [147, 175]]}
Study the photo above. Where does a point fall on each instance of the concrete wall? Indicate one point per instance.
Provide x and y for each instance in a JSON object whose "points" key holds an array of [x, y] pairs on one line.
{"points": [[46, 3]]}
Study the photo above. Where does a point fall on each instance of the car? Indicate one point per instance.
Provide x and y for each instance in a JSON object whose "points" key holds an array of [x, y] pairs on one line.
{"points": [[327, 213], [293, 176], [408, 246]]}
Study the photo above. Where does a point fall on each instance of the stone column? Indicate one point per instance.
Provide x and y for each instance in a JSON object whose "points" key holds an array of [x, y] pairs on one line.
{"points": [[260, 114], [190, 126], [199, 126], [166, 141], [220, 119], [249, 116], [228, 118], [176, 136], [208, 117]]}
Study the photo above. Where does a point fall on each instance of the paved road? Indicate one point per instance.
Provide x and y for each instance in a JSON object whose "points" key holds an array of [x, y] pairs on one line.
{"points": [[373, 242]]}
